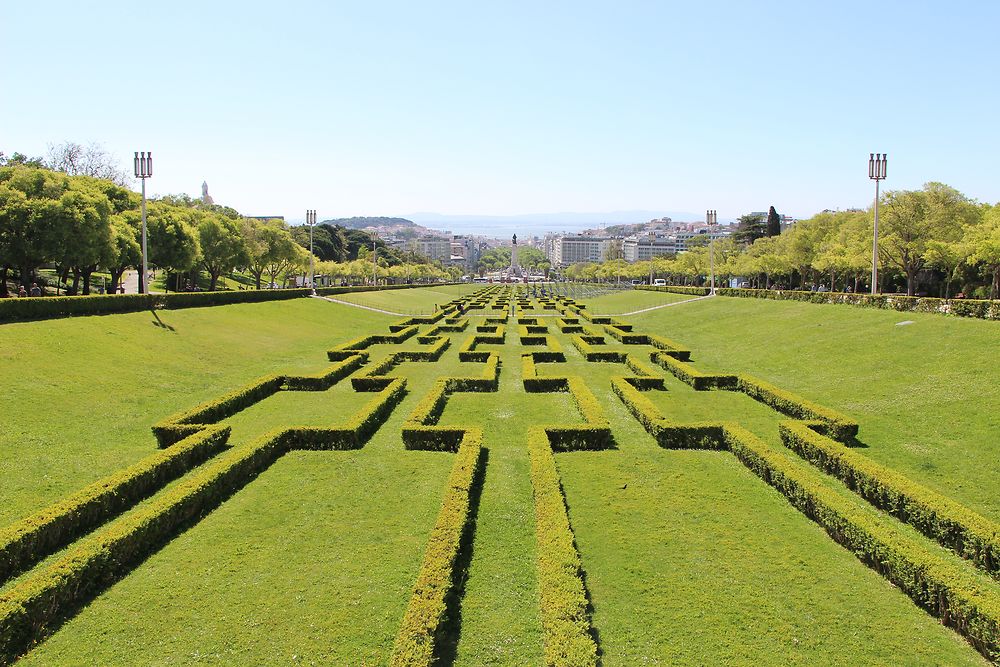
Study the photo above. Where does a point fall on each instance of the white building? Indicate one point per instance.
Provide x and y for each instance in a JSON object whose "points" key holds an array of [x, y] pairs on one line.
{"points": [[437, 249], [564, 250]]}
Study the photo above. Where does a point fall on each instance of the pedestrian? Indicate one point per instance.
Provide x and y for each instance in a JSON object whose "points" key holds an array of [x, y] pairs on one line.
{"points": [[21, 292], [35, 290]]}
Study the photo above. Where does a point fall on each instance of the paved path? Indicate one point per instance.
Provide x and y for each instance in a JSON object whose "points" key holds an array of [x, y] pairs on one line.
{"points": [[664, 305], [358, 305]]}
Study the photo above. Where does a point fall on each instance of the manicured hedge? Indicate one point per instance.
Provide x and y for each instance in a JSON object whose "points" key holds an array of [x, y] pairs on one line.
{"points": [[566, 628], [595, 433], [688, 374], [440, 578], [362, 342], [326, 379], [838, 426], [939, 586], [698, 435], [28, 541], [955, 526], [35, 607], [676, 289], [420, 431], [179, 426], [982, 309]]}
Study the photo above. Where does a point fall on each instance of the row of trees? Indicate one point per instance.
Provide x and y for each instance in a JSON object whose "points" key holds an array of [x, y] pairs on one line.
{"points": [[81, 224], [498, 259], [930, 240]]}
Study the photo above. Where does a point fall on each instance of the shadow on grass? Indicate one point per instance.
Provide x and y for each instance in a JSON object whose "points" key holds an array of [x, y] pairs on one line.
{"points": [[451, 633], [157, 322]]}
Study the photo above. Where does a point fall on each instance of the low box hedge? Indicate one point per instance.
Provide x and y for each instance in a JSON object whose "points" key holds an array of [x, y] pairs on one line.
{"points": [[955, 526], [939, 586], [29, 540], [835, 424], [688, 374], [982, 309], [440, 578], [567, 634]]}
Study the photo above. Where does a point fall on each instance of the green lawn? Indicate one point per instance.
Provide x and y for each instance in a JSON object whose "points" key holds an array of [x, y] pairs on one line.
{"points": [[409, 301], [689, 559], [925, 394], [629, 301]]}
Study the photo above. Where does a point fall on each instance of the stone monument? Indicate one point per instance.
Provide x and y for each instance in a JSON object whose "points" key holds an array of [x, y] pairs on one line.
{"points": [[205, 197], [515, 269]]}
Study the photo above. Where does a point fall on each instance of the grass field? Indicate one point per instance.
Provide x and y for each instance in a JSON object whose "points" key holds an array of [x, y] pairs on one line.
{"points": [[688, 557], [408, 301], [926, 393]]}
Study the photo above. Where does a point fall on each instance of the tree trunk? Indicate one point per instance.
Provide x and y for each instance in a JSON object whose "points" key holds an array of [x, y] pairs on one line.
{"points": [[3, 282], [86, 271], [911, 282], [213, 279], [116, 278], [256, 277], [76, 281], [996, 282], [26, 275]]}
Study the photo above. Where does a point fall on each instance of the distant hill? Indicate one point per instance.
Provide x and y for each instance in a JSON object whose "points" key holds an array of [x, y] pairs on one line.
{"points": [[365, 222]]}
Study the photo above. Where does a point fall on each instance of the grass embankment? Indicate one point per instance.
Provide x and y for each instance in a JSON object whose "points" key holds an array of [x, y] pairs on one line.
{"points": [[409, 301], [690, 559], [924, 393], [83, 392], [631, 300]]}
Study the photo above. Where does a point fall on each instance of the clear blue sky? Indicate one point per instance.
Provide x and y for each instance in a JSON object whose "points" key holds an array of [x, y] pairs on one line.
{"points": [[379, 108]]}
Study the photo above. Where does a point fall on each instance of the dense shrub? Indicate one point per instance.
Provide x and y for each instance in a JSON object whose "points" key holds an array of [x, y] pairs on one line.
{"points": [[937, 585], [179, 426], [676, 289], [953, 525], [566, 629], [835, 424], [439, 577], [26, 542], [988, 310], [692, 376], [326, 379]]}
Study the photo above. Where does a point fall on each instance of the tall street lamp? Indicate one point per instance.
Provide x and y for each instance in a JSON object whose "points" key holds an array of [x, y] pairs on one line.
{"points": [[712, 218], [144, 170], [311, 220], [374, 265], [652, 239], [876, 172]]}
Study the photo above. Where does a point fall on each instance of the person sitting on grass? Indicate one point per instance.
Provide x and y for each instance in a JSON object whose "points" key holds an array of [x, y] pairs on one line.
{"points": [[21, 292]]}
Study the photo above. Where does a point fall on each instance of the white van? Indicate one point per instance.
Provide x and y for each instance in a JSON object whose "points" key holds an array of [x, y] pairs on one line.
{"points": [[659, 282]]}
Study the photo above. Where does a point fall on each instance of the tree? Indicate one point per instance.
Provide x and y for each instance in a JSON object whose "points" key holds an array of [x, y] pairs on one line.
{"points": [[984, 242], [75, 160], [125, 250], [31, 230], [222, 246], [21, 160], [85, 232], [913, 218], [750, 228], [172, 237], [773, 223]]}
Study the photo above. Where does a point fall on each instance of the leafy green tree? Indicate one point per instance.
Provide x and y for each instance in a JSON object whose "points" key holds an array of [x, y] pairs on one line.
{"points": [[172, 237], [125, 250], [85, 232], [222, 245], [773, 222], [750, 227], [984, 243], [31, 219], [913, 218]]}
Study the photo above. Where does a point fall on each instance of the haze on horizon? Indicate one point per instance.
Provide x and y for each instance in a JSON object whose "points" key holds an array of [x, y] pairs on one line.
{"points": [[517, 108]]}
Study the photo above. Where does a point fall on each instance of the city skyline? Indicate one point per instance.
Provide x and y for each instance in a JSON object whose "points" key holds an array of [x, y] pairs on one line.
{"points": [[467, 111]]}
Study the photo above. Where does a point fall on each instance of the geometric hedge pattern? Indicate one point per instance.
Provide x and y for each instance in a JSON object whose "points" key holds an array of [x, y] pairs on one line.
{"points": [[194, 451]]}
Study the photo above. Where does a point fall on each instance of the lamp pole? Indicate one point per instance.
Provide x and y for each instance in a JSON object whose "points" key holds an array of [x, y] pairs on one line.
{"points": [[311, 220], [652, 239], [374, 265], [876, 172], [143, 170], [712, 217]]}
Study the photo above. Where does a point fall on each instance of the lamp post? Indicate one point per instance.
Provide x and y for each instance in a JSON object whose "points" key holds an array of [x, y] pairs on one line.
{"points": [[143, 170], [876, 172], [311, 220], [374, 265], [712, 218], [652, 239]]}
